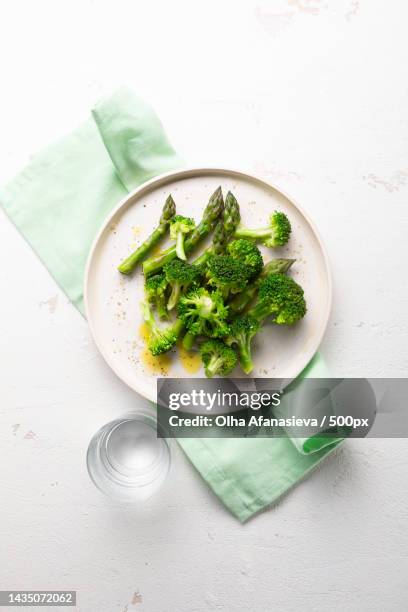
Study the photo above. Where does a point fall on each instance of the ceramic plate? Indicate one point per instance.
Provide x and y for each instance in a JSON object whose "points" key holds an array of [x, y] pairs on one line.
{"points": [[112, 300]]}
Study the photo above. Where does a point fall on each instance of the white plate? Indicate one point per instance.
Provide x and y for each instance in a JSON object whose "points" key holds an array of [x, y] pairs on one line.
{"points": [[112, 300]]}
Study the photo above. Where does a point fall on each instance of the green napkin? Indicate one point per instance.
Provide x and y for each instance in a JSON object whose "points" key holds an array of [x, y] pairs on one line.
{"points": [[248, 475], [72, 186]]}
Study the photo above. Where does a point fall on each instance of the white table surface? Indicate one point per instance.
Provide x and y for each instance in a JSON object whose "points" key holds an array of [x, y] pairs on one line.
{"points": [[312, 95]]}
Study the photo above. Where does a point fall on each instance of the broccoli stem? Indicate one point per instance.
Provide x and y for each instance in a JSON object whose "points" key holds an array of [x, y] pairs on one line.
{"points": [[260, 311], [177, 327], [241, 300], [188, 341], [174, 296], [213, 366], [162, 310], [204, 257], [148, 315], [129, 264], [257, 233], [206, 225], [180, 246], [244, 353]]}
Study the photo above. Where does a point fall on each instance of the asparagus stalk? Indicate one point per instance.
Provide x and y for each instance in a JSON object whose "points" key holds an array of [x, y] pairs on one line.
{"points": [[218, 241], [224, 229], [129, 264], [211, 213], [188, 341], [241, 300]]}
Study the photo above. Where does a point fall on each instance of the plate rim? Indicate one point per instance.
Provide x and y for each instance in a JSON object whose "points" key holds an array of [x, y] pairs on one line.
{"points": [[187, 172]]}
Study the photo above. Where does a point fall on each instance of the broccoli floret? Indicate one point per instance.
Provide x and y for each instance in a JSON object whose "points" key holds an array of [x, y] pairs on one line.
{"points": [[227, 274], [180, 275], [155, 289], [243, 329], [275, 235], [160, 340], [179, 228], [203, 313], [241, 300], [279, 295], [218, 358], [248, 253]]}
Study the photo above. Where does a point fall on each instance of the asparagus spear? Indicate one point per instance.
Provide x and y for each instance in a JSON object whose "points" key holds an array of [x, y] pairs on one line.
{"points": [[241, 300], [129, 264], [206, 225], [231, 216], [224, 229]]}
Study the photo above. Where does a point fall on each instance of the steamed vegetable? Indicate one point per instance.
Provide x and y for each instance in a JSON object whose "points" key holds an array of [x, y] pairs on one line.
{"points": [[248, 253], [282, 298], [179, 228], [155, 290], [224, 230], [179, 275], [129, 264], [279, 296], [241, 300], [227, 274], [242, 330], [160, 339], [204, 314], [218, 358], [276, 234]]}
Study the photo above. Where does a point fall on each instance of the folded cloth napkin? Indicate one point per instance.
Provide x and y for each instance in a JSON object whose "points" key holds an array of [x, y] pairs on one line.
{"points": [[72, 186]]}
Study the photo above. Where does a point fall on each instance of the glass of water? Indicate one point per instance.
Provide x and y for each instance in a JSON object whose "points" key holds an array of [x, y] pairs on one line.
{"points": [[126, 460]]}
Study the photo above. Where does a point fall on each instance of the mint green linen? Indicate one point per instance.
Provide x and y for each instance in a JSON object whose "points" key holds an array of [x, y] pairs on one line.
{"points": [[249, 475], [58, 203], [73, 185]]}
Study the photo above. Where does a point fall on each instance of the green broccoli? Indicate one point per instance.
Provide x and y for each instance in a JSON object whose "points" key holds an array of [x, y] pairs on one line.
{"points": [[155, 290], [248, 253], [179, 227], [180, 275], [204, 314], [279, 295], [218, 358], [242, 330], [227, 274], [275, 235], [241, 300], [160, 340]]}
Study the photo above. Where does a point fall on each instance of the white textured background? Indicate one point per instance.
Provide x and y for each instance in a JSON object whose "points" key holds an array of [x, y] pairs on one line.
{"points": [[312, 94]]}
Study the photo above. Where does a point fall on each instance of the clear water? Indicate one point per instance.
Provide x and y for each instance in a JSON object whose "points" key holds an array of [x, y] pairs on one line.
{"points": [[126, 460]]}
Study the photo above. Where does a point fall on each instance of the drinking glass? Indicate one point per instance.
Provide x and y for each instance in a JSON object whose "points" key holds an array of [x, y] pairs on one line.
{"points": [[126, 460]]}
